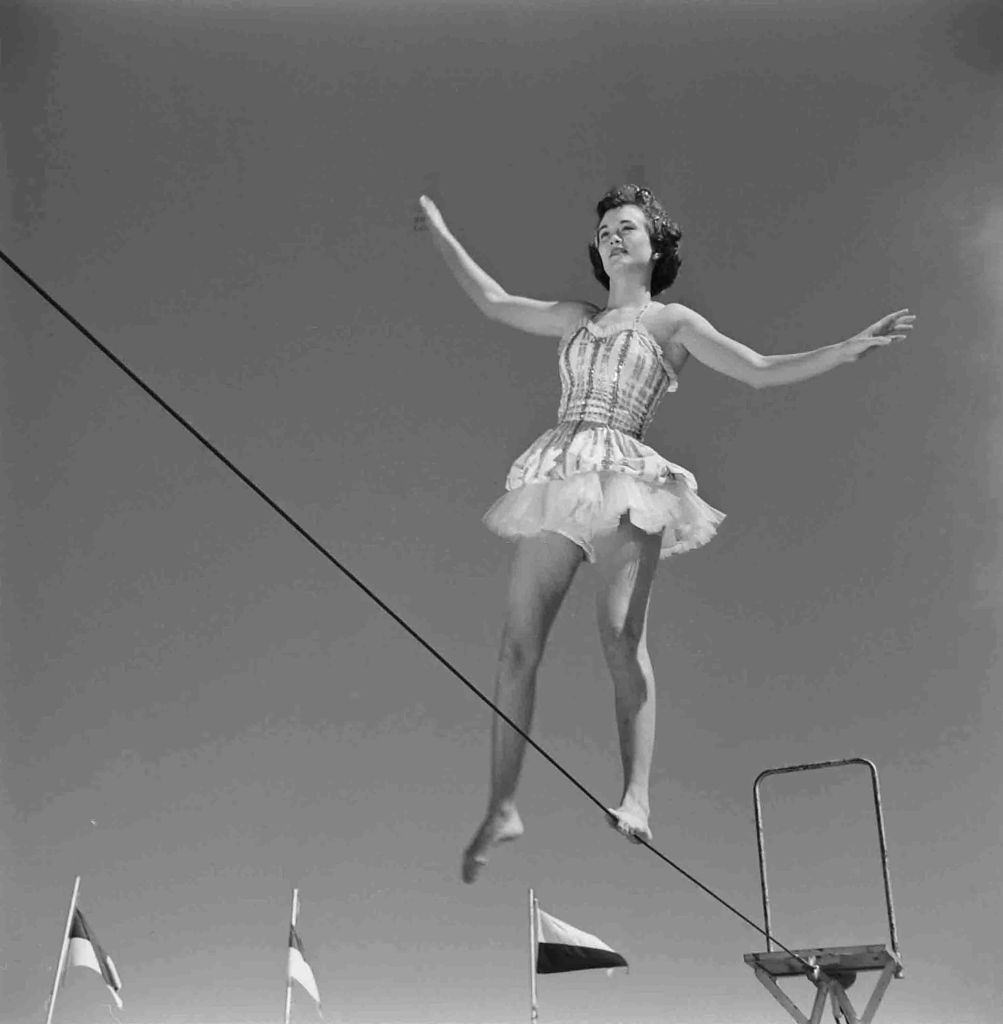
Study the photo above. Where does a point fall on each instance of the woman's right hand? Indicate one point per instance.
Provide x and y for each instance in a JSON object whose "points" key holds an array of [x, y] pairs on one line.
{"points": [[531, 315], [428, 216], [893, 327]]}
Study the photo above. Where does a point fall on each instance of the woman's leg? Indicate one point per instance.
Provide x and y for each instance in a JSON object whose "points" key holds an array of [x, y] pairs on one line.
{"points": [[626, 563], [542, 571]]}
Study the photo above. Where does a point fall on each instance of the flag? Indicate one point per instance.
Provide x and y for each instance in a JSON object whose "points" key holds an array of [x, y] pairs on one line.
{"points": [[559, 947], [299, 969], [85, 951]]}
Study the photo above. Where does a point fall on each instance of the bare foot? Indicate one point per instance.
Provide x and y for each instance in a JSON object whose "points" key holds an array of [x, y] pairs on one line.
{"points": [[499, 826], [630, 819]]}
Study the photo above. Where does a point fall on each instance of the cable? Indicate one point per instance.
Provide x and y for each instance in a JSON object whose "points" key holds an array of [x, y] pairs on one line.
{"points": [[370, 594]]}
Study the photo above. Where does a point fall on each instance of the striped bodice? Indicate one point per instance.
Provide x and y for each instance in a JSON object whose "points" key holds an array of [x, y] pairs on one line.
{"points": [[614, 379]]}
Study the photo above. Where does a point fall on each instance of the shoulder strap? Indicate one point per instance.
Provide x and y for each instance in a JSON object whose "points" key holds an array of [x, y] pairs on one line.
{"points": [[643, 310]]}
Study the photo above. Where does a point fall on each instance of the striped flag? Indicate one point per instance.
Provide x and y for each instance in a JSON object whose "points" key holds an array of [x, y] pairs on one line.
{"points": [[559, 947], [299, 969], [85, 951]]}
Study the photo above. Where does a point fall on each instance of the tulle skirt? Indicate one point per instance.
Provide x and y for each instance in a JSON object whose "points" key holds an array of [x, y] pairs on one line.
{"points": [[582, 480]]}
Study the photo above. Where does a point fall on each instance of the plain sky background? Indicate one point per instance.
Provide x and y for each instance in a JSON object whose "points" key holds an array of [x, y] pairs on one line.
{"points": [[199, 712]]}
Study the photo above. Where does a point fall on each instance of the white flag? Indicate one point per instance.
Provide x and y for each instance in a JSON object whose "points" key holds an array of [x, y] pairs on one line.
{"points": [[560, 947], [85, 951], [299, 969]]}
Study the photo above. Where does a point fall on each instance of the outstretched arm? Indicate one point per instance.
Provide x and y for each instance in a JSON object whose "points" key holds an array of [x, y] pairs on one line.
{"points": [[531, 315], [730, 357]]}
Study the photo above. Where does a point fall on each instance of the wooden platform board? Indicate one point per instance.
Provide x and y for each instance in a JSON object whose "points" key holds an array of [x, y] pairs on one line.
{"points": [[840, 959]]}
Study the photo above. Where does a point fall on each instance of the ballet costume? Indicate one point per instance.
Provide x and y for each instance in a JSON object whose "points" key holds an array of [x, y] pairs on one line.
{"points": [[593, 470]]}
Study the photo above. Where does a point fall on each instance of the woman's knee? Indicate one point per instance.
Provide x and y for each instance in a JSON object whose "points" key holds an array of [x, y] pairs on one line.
{"points": [[521, 649]]}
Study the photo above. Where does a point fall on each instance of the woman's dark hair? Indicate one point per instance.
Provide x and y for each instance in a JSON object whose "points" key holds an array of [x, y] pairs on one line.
{"points": [[663, 232]]}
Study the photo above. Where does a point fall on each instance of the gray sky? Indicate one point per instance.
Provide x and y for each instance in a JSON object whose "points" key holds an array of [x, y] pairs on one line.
{"points": [[199, 712]]}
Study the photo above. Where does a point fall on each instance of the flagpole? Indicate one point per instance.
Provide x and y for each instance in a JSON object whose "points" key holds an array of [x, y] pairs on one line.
{"points": [[62, 950], [289, 979], [532, 958]]}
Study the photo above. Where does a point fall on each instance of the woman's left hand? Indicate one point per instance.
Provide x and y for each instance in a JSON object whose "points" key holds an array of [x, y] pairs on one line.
{"points": [[893, 327]]}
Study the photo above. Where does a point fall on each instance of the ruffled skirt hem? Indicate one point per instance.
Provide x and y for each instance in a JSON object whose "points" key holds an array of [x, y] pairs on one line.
{"points": [[587, 505]]}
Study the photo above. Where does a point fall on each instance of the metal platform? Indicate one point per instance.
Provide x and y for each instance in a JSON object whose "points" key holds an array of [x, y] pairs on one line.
{"points": [[837, 969], [831, 969]]}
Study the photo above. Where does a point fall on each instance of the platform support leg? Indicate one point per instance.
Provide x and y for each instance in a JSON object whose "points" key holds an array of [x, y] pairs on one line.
{"points": [[821, 991], [842, 1000], [837, 1011], [768, 982], [876, 996]]}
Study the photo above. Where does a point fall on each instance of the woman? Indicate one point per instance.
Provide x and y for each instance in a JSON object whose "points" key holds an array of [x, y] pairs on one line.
{"points": [[591, 489]]}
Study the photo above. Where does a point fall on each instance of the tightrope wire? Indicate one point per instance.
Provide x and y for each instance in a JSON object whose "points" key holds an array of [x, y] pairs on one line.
{"points": [[307, 536]]}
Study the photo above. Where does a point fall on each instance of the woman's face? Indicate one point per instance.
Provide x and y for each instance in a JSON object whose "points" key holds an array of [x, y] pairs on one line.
{"points": [[622, 238]]}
